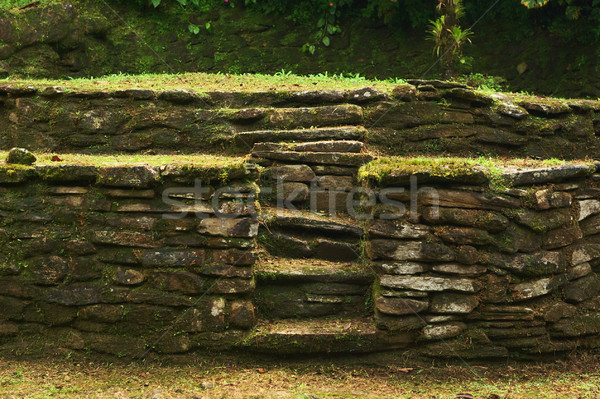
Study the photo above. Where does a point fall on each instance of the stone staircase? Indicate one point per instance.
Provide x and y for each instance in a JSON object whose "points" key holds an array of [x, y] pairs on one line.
{"points": [[313, 288]]}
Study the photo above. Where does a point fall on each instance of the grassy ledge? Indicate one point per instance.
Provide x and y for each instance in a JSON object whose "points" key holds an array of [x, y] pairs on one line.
{"points": [[391, 169], [205, 82], [197, 161]]}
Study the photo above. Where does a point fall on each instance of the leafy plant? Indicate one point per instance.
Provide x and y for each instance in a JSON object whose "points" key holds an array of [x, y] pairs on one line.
{"points": [[448, 37]]}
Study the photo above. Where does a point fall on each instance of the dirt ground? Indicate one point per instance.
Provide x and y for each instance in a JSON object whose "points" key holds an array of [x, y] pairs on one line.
{"points": [[230, 376]]}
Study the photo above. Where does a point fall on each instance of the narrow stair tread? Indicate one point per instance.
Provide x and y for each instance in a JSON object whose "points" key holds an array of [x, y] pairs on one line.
{"points": [[323, 158], [310, 134], [321, 335], [306, 220], [342, 146], [292, 269]]}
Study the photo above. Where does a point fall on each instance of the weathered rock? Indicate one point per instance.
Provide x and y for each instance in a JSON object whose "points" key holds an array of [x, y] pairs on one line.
{"points": [[294, 192], [49, 270], [128, 276], [172, 258], [578, 271], [465, 199], [401, 268], [74, 295], [547, 175], [430, 283], [327, 158], [535, 288], [335, 251], [184, 282], [561, 237], [20, 156], [400, 306], [548, 199], [584, 253], [588, 208], [464, 235], [178, 96], [543, 221], [539, 264], [583, 288], [590, 225], [242, 315], [546, 106], [558, 311], [456, 268], [298, 173], [328, 133], [409, 250], [502, 137], [399, 324], [577, 326], [226, 227], [127, 239], [280, 244], [488, 220], [314, 223], [102, 313], [504, 313], [518, 239], [453, 303], [336, 182], [341, 114], [442, 331], [130, 176], [397, 229], [330, 146]]}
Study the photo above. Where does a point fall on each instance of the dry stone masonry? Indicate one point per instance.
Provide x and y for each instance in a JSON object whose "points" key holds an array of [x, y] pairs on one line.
{"points": [[299, 245]]}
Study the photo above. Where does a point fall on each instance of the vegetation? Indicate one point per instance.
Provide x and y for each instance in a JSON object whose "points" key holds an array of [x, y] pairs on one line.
{"points": [[205, 82], [448, 36], [225, 377], [384, 168], [204, 161]]}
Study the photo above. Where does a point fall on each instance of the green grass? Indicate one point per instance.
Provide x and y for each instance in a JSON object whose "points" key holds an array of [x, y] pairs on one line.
{"points": [[208, 161], [331, 377], [204, 82], [382, 168]]}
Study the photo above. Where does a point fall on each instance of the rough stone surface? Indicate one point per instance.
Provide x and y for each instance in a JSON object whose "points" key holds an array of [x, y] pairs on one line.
{"points": [[20, 156]]}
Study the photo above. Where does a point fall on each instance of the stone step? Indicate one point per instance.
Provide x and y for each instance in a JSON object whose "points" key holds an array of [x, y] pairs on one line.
{"points": [[305, 246], [350, 146], [319, 158], [330, 335], [301, 135], [324, 335], [312, 222], [280, 300], [279, 269]]}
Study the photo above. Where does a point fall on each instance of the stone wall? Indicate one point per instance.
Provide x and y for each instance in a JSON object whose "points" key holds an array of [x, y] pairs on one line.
{"points": [[429, 117], [95, 258], [478, 273], [433, 258]]}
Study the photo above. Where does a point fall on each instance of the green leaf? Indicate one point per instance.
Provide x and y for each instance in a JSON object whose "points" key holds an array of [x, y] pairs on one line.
{"points": [[182, 2], [155, 3], [207, 26], [321, 22], [326, 40], [330, 29], [534, 3], [193, 29], [311, 49]]}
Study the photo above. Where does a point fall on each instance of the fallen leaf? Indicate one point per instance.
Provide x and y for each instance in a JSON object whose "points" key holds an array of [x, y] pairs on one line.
{"points": [[405, 370], [56, 158]]}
